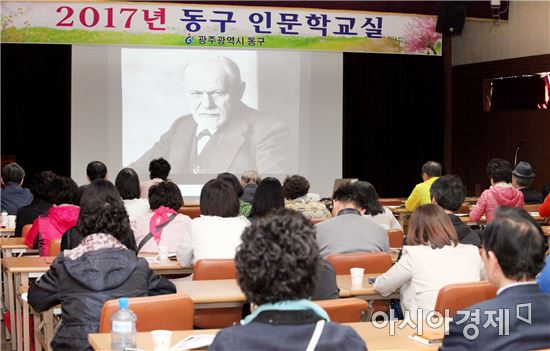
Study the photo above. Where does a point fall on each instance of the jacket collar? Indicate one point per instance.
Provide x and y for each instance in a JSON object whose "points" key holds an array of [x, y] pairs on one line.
{"points": [[289, 305], [348, 210], [520, 288]]}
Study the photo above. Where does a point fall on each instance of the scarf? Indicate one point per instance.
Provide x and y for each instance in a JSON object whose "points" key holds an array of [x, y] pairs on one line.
{"points": [[160, 216], [288, 305], [94, 242]]}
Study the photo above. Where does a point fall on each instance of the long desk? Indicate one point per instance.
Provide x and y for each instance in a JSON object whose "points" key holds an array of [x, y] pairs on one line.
{"points": [[18, 270], [377, 339]]}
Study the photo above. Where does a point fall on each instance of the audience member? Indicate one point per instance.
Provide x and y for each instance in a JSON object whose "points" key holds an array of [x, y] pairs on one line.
{"points": [[277, 266], [159, 169], [449, 193], [349, 231], [296, 190], [501, 192], [544, 209], [420, 195], [14, 196], [217, 232], [105, 191], [63, 194], [522, 179], [432, 259], [97, 270], [373, 210], [268, 196], [249, 181], [127, 184], [513, 254], [39, 205], [162, 223], [244, 207], [95, 170]]}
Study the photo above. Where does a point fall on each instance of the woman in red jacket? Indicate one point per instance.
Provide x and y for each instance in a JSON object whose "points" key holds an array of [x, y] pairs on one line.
{"points": [[544, 209], [63, 194]]}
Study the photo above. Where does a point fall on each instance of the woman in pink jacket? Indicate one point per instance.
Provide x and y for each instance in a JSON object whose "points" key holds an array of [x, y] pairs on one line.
{"points": [[501, 192], [63, 194]]}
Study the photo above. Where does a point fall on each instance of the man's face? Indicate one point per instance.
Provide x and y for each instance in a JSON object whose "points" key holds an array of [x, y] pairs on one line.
{"points": [[209, 93]]}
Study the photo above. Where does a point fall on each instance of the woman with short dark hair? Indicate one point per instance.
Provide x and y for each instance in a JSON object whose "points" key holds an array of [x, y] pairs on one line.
{"points": [[97, 270], [217, 232], [127, 184], [63, 193], [244, 207], [277, 268], [296, 190], [162, 225], [373, 210], [268, 196], [432, 259], [501, 192], [40, 204]]}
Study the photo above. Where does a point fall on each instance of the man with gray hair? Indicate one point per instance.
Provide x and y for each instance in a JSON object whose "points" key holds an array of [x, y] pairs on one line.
{"points": [[222, 134]]}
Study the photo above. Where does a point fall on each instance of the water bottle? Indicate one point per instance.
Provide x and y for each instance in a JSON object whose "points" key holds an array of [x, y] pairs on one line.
{"points": [[123, 330]]}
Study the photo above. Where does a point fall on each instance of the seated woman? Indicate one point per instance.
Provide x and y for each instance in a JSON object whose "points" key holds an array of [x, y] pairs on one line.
{"points": [[127, 184], [267, 197], [163, 225], [277, 267], [244, 207], [501, 192], [217, 232], [102, 190], [373, 210], [433, 258], [97, 270], [296, 190], [63, 193], [39, 205]]}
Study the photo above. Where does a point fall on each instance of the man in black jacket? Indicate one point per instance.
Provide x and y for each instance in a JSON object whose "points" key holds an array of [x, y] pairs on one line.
{"points": [[449, 192], [522, 178]]}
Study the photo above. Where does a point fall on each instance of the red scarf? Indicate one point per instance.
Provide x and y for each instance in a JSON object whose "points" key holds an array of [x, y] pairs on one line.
{"points": [[160, 216]]}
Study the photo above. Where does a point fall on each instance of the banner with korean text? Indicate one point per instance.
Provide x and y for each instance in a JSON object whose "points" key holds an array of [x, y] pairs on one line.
{"points": [[218, 26]]}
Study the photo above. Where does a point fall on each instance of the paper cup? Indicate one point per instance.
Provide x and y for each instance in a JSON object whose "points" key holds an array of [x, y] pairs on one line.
{"points": [[162, 339], [163, 253], [11, 221], [4, 219], [357, 275]]}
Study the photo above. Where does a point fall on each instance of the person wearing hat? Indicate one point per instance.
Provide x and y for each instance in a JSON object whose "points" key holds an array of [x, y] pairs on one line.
{"points": [[522, 178]]}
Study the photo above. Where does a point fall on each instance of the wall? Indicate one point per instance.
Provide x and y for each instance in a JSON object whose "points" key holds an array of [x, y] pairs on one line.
{"points": [[526, 33]]}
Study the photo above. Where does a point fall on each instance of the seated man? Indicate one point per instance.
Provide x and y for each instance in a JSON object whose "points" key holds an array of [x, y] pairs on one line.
{"points": [[13, 195], [94, 170], [349, 231], [522, 178], [517, 319], [449, 192], [420, 195], [159, 169]]}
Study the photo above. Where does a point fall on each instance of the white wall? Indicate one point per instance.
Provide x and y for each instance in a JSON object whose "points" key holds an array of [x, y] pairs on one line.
{"points": [[527, 33]]}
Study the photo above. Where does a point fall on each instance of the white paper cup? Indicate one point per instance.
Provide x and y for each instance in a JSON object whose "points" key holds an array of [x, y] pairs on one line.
{"points": [[163, 253], [11, 221], [357, 275], [4, 219], [162, 339]]}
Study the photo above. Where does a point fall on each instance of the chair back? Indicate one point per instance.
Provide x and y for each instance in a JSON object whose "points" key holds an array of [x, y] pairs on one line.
{"points": [[216, 318], [54, 247], [167, 312], [464, 208], [372, 262], [25, 230], [349, 310], [531, 207], [396, 238], [214, 269], [390, 201], [455, 297], [317, 220], [191, 211]]}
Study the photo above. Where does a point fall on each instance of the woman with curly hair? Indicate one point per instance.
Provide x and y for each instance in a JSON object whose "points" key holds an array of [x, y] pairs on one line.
{"points": [[97, 270], [296, 190], [277, 266]]}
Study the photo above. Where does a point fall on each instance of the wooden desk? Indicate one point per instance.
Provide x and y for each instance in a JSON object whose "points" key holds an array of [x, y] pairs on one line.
{"points": [[377, 339], [365, 291], [10, 246], [483, 220], [5, 232]]}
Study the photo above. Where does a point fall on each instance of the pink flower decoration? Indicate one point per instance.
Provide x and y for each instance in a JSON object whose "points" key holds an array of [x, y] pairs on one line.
{"points": [[421, 35]]}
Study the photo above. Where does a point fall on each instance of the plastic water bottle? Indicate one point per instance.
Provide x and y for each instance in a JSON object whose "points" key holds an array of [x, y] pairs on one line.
{"points": [[123, 330]]}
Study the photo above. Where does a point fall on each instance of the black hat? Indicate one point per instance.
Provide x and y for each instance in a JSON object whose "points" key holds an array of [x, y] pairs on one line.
{"points": [[523, 170]]}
